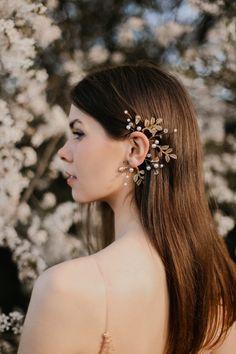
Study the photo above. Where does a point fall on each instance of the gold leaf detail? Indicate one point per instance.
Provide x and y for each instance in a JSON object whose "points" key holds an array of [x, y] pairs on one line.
{"points": [[173, 156], [159, 120], [169, 150], [137, 119], [153, 130], [153, 120], [167, 158], [146, 123], [135, 178]]}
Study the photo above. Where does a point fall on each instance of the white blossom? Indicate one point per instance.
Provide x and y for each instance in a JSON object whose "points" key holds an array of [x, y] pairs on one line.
{"points": [[213, 8], [224, 223], [170, 31], [48, 201], [98, 54], [117, 57], [23, 212], [126, 34], [30, 156], [11, 322]]}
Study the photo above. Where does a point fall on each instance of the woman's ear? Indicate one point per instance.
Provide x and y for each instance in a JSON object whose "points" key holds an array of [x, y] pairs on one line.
{"points": [[138, 148]]}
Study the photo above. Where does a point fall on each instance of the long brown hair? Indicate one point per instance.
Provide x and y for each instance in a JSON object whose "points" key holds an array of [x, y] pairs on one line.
{"points": [[173, 205]]}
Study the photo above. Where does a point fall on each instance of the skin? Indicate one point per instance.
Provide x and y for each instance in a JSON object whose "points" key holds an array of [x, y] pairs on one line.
{"points": [[66, 314], [96, 154]]}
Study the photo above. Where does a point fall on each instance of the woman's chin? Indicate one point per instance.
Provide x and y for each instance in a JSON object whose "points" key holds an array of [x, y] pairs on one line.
{"points": [[80, 197]]}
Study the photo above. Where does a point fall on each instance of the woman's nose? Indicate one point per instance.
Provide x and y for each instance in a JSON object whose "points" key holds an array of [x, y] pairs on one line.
{"points": [[64, 153]]}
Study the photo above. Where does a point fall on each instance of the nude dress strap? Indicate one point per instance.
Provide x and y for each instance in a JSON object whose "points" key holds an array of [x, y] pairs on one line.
{"points": [[106, 345]]}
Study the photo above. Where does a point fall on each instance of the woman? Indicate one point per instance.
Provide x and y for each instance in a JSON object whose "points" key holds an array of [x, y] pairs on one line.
{"points": [[163, 281]]}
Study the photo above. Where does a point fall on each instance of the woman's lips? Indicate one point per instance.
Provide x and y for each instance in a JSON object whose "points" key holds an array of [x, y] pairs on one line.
{"points": [[70, 178]]}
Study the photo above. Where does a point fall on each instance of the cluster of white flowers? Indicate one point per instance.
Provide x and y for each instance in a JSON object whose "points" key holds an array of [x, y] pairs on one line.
{"points": [[11, 322], [224, 223], [128, 31], [208, 6], [60, 244], [27, 121], [27, 256], [212, 111], [73, 66], [98, 54], [214, 58], [170, 32], [218, 52], [24, 27]]}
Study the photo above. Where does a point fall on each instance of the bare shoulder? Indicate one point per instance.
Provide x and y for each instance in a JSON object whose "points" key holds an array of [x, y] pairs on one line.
{"points": [[63, 306], [71, 276]]}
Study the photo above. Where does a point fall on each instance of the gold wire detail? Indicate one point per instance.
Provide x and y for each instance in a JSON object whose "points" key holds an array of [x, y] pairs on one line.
{"points": [[158, 153]]}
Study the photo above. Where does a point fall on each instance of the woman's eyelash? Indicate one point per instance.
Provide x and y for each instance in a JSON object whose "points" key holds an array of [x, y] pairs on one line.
{"points": [[78, 134]]}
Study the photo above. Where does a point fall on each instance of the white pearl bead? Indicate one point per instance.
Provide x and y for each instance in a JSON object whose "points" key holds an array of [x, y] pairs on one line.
{"points": [[161, 165], [154, 146], [128, 119], [148, 168], [156, 141], [165, 130], [149, 155], [139, 128], [156, 165], [125, 111], [175, 130], [131, 169], [128, 127]]}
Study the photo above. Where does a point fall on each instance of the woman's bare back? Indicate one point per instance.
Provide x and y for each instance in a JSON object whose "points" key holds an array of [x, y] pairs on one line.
{"points": [[131, 291], [125, 282]]}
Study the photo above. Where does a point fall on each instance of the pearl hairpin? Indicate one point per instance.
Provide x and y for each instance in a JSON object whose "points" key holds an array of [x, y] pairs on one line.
{"points": [[159, 153]]}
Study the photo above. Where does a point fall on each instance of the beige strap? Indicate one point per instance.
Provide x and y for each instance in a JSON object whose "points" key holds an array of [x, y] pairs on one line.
{"points": [[106, 291]]}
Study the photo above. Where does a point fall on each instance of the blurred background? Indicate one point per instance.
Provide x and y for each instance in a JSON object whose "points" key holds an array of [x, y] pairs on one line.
{"points": [[45, 48]]}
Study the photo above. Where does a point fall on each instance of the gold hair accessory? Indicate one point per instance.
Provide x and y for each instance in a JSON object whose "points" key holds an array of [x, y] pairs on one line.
{"points": [[157, 153]]}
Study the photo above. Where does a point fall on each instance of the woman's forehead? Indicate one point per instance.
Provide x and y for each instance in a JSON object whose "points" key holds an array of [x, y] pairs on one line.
{"points": [[83, 120]]}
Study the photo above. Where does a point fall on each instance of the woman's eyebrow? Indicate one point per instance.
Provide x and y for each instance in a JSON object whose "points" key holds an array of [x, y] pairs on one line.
{"points": [[73, 122]]}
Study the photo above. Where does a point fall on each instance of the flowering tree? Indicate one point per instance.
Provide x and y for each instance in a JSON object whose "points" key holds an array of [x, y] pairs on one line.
{"points": [[45, 50], [30, 131]]}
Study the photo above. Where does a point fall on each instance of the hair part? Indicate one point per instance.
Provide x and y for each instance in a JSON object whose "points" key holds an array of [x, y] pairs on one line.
{"points": [[173, 205]]}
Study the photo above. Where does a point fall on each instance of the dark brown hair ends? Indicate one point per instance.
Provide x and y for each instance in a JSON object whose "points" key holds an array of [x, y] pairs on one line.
{"points": [[173, 205]]}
